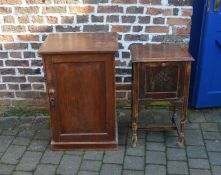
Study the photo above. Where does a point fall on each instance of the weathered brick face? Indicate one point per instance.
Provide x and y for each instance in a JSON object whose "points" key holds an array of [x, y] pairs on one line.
{"points": [[26, 23]]}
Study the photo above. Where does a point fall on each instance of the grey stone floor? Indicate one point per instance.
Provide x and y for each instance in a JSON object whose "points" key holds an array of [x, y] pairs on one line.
{"points": [[25, 149]]}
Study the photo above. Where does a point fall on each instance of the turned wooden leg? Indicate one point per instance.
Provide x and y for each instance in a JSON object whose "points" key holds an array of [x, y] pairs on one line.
{"points": [[182, 125], [135, 105]]}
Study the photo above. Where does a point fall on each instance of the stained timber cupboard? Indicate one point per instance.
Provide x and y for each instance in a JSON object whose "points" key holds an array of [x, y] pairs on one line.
{"points": [[80, 80], [160, 73]]}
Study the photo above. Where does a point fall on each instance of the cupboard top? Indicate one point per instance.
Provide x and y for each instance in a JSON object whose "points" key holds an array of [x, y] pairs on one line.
{"points": [[79, 43], [158, 53]]}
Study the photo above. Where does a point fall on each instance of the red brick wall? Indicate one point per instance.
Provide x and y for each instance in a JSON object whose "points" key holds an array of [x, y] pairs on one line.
{"points": [[24, 24]]}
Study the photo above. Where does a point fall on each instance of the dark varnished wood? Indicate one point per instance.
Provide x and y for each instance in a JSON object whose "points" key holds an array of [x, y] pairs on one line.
{"points": [[67, 43], [160, 73], [81, 93]]}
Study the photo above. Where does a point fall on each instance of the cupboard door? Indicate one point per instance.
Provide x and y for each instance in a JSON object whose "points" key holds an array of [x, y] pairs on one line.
{"points": [[84, 106], [161, 80]]}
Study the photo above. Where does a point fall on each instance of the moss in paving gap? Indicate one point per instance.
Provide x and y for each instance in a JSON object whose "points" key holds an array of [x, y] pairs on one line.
{"points": [[21, 111]]}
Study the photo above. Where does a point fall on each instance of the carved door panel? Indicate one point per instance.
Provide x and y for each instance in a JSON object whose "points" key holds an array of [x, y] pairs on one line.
{"points": [[161, 80]]}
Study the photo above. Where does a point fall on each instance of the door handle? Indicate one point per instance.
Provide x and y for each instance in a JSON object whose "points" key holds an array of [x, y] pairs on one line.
{"points": [[52, 102]]}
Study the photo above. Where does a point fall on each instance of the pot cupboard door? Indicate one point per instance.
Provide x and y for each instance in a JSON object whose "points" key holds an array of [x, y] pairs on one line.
{"points": [[81, 93]]}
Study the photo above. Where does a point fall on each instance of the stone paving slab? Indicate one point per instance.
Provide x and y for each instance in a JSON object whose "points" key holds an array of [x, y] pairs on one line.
{"points": [[25, 149]]}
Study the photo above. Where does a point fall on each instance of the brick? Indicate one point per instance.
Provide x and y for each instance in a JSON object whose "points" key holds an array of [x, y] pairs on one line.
{"points": [[137, 28], [120, 28], [35, 46], [116, 157], [25, 86], [7, 71], [6, 94], [29, 161], [67, 19], [6, 169], [64, 28], [155, 146], [199, 163], [29, 71], [93, 155], [67, 166], [95, 28], [9, 19], [178, 21], [3, 55], [128, 19], [51, 157], [95, 1], [6, 38], [170, 38], [155, 169], [142, 37], [135, 10], [209, 127], [154, 11], [180, 3], [21, 141], [5, 10], [110, 169], [34, 1], [177, 167], [36, 63], [54, 9], [16, 63], [27, 10], [215, 158], [95, 18], [2, 86], [45, 169], [144, 19], [196, 152], [186, 12], [154, 2], [28, 94], [15, 54], [124, 1], [12, 28], [112, 18], [181, 30], [153, 157], [35, 29], [81, 9], [13, 86], [38, 86], [109, 9], [91, 165], [176, 154], [13, 79], [38, 19], [157, 29], [52, 20], [36, 79], [27, 37], [132, 172], [29, 54], [5, 142], [120, 95], [158, 20], [82, 18], [200, 172], [13, 154], [23, 19], [16, 46], [13, 2], [175, 11]]}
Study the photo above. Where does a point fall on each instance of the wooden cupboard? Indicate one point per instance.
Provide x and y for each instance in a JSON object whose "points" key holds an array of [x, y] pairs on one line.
{"points": [[79, 68]]}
